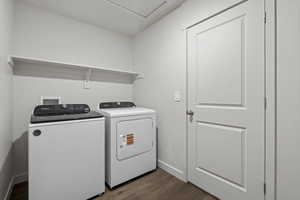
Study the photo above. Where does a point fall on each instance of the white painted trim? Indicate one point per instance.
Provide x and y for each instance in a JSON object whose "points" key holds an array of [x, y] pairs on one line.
{"points": [[9, 190], [270, 137], [172, 170], [19, 178], [199, 20], [186, 107]]}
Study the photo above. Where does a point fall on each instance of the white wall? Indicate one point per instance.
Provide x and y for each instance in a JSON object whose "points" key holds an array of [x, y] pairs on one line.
{"points": [[39, 33], [6, 15], [5, 79], [160, 53], [288, 99]]}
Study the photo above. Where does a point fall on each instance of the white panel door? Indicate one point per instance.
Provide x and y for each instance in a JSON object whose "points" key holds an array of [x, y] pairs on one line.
{"points": [[226, 96]]}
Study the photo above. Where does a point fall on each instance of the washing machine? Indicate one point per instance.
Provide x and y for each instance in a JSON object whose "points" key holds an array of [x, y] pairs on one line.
{"points": [[130, 141], [66, 153]]}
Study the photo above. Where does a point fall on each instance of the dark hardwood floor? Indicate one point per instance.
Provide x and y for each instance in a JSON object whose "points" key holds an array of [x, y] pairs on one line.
{"points": [[20, 192], [157, 185]]}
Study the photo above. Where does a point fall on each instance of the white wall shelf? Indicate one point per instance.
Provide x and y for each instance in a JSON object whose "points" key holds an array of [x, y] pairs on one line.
{"points": [[88, 69]]}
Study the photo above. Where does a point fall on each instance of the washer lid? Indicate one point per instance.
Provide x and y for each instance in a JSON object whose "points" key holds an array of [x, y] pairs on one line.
{"points": [[123, 112], [59, 118]]}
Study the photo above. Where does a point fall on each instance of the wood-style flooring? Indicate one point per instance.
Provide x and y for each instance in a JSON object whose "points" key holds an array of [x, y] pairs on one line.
{"points": [[157, 185]]}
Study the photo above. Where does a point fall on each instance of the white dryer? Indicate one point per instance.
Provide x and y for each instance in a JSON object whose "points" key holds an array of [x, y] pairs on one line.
{"points": [[130, 141]]}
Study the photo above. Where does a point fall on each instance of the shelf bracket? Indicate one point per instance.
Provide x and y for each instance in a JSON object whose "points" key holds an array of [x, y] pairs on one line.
{"points": [[88, 75], [140, 76], [87, 79], [10, 61]]}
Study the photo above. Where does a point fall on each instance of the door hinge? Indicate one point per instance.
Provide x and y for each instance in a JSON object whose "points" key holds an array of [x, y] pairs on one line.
{"points": [[265, 18], [265, 188], [190, 114], [266, 103]]}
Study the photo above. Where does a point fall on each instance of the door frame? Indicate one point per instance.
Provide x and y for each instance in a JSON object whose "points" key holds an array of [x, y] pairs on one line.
{"points": [[270, 95], [271, 98]]}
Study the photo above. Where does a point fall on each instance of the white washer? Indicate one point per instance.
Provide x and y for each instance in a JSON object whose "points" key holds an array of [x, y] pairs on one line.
{"points": [[130, 143], [66, 156]]}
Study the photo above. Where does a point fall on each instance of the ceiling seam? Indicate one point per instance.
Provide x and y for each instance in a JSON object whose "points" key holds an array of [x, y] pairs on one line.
{"points": [[135, 12]]}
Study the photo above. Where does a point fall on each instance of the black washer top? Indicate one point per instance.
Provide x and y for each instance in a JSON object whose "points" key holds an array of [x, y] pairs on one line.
{"points": [[68, 117], [62, 112], [122, 104], [61, 109]]}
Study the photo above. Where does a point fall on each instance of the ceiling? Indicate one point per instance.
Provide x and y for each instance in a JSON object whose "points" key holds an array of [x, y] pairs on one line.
{"points": [[124, 16]]}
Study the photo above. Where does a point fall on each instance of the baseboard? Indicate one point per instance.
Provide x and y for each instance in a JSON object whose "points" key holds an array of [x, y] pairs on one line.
{"points": [[9, 190], [23, 177], [19, 178], [172, 170]]}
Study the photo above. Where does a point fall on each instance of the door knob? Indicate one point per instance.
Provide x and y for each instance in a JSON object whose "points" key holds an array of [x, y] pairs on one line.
{"points": [[190, 112]]}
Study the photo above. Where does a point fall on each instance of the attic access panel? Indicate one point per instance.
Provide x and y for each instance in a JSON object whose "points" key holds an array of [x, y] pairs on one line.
{"points": [[142, 8]]}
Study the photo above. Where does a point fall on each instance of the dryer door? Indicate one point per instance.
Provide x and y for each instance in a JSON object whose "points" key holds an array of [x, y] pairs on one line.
{"points": [[134, 137]]}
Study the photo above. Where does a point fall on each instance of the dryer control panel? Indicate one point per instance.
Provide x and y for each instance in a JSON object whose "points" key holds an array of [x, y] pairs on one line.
{"points": [[121, 104]]}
